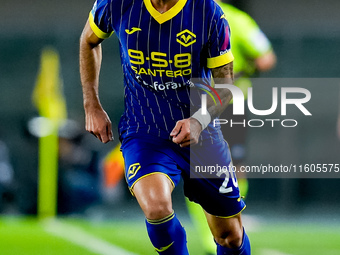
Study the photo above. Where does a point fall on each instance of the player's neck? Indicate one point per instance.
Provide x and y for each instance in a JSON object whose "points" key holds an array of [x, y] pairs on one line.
{"points": [[163, 5]]}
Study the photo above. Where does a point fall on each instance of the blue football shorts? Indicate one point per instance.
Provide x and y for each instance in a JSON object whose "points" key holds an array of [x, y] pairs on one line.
{"points": [[202, 168]]}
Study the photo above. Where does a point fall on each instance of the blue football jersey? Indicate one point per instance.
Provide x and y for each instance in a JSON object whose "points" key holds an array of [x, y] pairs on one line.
{"points": [[161, 53]]}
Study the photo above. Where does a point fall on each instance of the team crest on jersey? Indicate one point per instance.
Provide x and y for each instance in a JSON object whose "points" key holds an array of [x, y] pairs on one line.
{"points": [[133, 169], [186, 38]]}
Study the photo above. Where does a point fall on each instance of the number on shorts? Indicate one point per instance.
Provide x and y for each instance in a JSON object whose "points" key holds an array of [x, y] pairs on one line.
{"points": [[230, 174]]}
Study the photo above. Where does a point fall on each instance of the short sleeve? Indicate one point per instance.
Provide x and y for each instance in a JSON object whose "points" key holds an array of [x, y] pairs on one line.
{"points": [[219, 46], [100, 19]]}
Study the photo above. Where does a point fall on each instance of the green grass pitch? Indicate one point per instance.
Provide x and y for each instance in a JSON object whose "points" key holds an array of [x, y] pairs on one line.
{"points": [[28, 236]]}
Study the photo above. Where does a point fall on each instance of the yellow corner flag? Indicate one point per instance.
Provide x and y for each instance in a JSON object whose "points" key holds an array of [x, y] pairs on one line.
{"points": [[49, 100], [48, 95]]}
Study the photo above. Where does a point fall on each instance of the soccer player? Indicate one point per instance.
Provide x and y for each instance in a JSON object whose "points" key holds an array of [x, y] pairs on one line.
{"points": [[164, 44], [253, 53]]}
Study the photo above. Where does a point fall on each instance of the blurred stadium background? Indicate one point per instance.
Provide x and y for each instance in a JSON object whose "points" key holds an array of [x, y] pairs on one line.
{"points": [[284, 216]]}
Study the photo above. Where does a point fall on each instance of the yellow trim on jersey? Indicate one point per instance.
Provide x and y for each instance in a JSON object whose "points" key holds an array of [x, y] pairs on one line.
{"points": [[133, 184], [220, 60], [227, 217], [163, 17], [96, 29]]}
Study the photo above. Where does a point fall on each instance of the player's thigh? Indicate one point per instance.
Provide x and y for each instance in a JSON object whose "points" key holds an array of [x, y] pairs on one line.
{"points": [[153, 193], [146, 156], [151, 174]]}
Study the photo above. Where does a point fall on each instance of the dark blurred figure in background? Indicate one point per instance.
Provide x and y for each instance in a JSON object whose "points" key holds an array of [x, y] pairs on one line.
{"points": [[79, 174], [7, 184], [79, 171]]}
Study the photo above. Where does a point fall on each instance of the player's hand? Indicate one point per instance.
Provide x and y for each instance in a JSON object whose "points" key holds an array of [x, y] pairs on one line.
{"points": [[98, 123], [186, 132]]}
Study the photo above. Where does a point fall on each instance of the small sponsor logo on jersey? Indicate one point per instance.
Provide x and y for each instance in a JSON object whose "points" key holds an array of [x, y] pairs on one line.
{"points": [[224, 52], [132, 30], [133, 169], [186, 38]]}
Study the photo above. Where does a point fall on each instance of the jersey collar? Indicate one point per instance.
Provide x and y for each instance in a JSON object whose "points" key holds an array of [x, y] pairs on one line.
{"points": [[163, 17]]}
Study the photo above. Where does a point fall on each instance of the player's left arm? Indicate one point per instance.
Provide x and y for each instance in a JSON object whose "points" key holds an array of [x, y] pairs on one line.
{"points": [[221, 75], [187, 131]]}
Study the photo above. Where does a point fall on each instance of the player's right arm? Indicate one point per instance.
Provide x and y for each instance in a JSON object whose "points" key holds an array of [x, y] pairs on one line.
{"points": [[90, 57]]}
